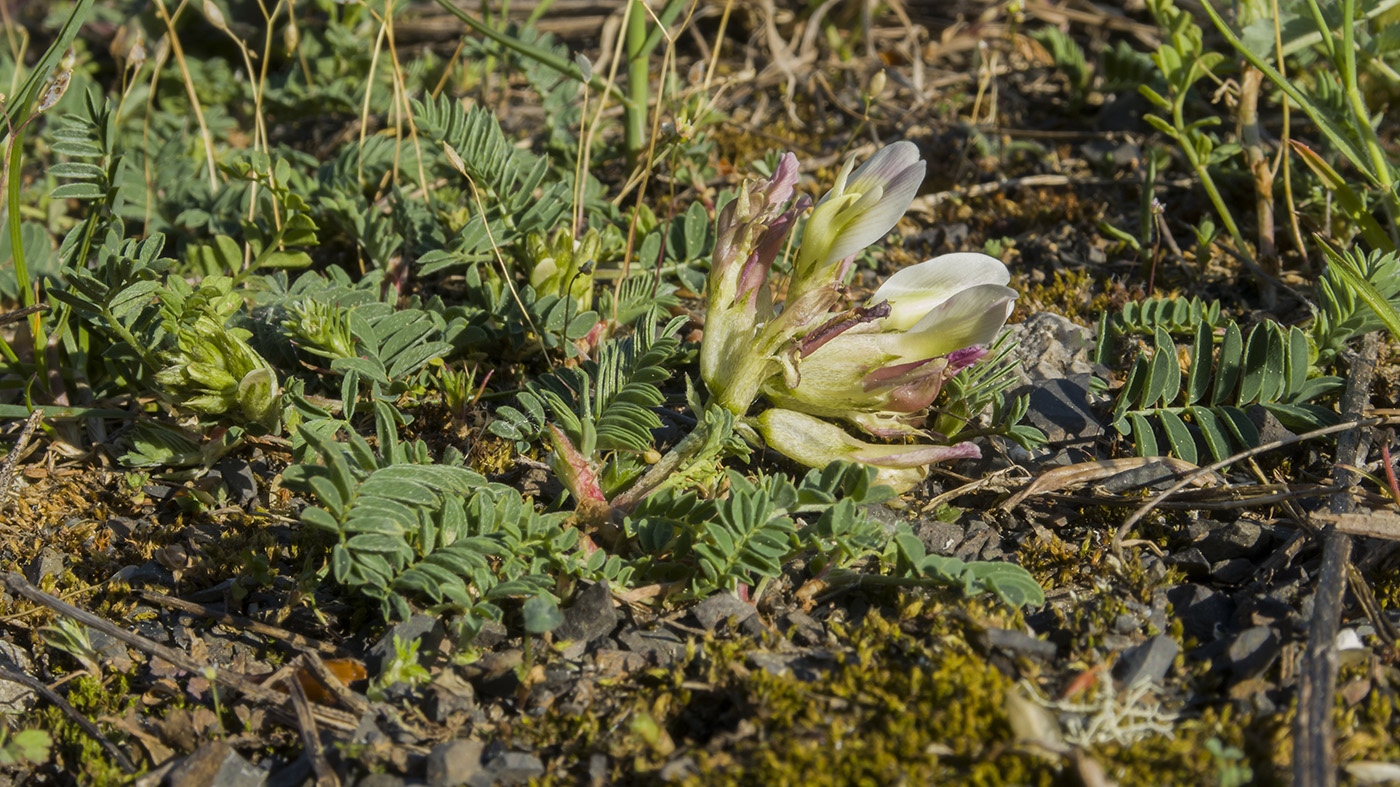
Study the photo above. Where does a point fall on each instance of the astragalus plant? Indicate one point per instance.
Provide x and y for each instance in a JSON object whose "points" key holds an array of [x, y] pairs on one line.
{"points": [[877, 366]]}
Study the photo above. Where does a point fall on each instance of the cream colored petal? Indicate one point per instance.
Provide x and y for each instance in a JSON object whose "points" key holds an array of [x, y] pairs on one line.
{"points": [[970, 317], [915, 291]]}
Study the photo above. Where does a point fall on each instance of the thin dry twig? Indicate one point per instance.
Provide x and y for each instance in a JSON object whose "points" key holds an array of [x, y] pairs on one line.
{"points": [[1084, 472], [20, 586], [238, 621], [72, 713], [1314, 747], [1146, 508], [306, 720], [20, 314], [11, 463]]}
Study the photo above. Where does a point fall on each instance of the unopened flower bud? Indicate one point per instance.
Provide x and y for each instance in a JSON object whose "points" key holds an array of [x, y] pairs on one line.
{"points": [[215, 16]]}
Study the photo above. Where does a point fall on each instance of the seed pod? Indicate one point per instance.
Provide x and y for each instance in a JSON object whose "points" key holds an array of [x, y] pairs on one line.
{"points": [[215, 16], [585, 67], [877, 84]]}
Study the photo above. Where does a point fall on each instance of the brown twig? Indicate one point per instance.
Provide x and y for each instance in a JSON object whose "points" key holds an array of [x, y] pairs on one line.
{"points": [[1146, 508], [11, 463], [72, 713], [1314, 750], [20, 586], [20, 314], [306, 721], [238, 621]]}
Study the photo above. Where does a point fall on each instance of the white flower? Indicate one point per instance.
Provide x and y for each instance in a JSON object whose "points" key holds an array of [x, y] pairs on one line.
{"points": [[880, 366], [859, 210]]}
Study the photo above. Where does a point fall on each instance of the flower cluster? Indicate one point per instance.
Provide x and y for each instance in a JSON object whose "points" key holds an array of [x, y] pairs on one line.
{"points": [[214, 371], [877, 366]]}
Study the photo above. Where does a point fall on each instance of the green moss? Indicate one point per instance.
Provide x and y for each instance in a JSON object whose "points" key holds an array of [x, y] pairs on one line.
{"points": [[75, 752]]}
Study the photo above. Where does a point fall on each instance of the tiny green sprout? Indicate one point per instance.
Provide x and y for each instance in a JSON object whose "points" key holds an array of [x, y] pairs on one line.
{"points": [[403, 667]]}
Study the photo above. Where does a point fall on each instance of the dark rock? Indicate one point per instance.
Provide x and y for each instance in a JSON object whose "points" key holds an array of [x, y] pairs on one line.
{"points": [[1252, 651], [149, 573], [802, 667], [802, 628], [381, 780], [720, 608], [292, 774], [48, 563], [1232, 571], [1062, 409], [418, 627], [1189, 560], [122, 528], [216, 765], [592, 616], [979, 535], [514, 767], [455, 763], [1201, 610], [1270, 428], [1020, 643], [1148, 662], [239, 480], [107, 646], [1156, 476], [1223, 541], [492, 633], [660, 645], [447, 695], [940, 538]]}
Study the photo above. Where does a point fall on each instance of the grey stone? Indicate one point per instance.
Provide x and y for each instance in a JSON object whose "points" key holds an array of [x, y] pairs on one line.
{"points": [[660, 645], [48, 563], [1050, 347], [1189, 560], [215, 764], [454, 763], [1223, 541], [1144, 477], [1233, 571], [239, 479], [1020, 643], [1270, 428], [1252, 652], [148, 573], [802, 628], [514, 767], [1201, 610], [447, 695], [804, 668], [15, 698], [107, 646], [592, 616], [722, 607], [1062, 409], [598, 769], [1125, 624], [940, 538], [1148, 662]]}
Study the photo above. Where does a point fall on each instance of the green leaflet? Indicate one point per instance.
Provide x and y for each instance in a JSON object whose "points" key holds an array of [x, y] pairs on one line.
{"points": [[1203, 414]]}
